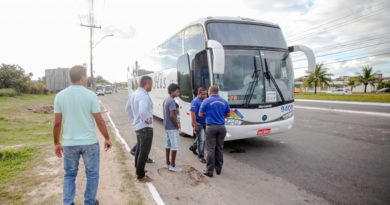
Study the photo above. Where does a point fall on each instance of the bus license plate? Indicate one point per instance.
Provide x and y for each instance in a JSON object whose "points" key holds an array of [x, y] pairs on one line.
{"points": [[263, 131]]}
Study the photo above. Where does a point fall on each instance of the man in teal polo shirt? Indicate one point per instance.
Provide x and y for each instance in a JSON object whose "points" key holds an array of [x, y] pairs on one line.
{"points": [[76, 109], [214, 109]]}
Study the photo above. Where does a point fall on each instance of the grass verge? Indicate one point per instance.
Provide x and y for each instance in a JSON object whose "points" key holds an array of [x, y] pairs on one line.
{"points": [[358, 97], [22, 133], [127, 176], [20, 126], [10, 92], [12, 161]]}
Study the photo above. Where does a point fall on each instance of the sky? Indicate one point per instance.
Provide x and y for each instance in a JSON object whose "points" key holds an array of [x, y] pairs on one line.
{"points": [[43, 34]]}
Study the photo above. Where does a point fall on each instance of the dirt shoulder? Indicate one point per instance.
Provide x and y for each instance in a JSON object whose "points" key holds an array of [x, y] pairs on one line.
{"points": [[42, 182], [240, 182]]}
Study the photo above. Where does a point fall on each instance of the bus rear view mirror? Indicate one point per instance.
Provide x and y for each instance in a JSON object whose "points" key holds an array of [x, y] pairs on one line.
{"points": [[311, 60], [218, 60]]}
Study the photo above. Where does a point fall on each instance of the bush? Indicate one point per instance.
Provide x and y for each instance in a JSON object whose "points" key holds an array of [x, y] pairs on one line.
{"points": [[10, 92], [383, 85], [15, 77], [36, 88]]}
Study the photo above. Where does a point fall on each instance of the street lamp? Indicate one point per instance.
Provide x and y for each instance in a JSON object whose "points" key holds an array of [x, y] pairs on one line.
{"points": [[100, 40], [93, 46]]}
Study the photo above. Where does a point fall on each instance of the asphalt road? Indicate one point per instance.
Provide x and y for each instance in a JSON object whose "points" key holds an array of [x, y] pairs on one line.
{"points": [[352, 106], [328, 157]]}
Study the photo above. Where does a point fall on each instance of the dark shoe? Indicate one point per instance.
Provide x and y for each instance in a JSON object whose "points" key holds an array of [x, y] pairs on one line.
{"points": [[193, 149], [202, 160], [144, 179], [97, 202], [132, 153], [218, 171], [149, 161], [206, 173]]}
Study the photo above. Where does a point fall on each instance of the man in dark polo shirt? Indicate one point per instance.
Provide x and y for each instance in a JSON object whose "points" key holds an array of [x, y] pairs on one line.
{"points": [[214, 109]]}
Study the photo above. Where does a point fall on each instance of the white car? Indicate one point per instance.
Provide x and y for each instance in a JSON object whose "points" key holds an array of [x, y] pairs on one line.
{"points": [[99, 90], [340, 91]]}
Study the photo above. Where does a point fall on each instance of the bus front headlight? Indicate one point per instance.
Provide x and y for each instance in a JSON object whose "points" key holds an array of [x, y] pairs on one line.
{"points": [[232, 121]]}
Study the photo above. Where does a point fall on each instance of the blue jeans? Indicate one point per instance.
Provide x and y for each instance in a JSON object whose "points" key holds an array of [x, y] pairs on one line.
{"points": [[90, 155], [200, 138]]}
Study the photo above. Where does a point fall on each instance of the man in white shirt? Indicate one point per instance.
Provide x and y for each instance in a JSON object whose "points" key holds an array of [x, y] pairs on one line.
{"points": [[139, 107]]}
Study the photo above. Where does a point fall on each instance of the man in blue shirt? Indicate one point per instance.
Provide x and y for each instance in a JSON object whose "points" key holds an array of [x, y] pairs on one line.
{"points": [[214, 109], [199, 124], [76, 109], [139, 107]]}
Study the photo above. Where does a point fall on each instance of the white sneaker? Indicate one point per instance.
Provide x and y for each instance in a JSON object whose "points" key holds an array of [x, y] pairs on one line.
{"points": [[167, 166], [175, 169]]}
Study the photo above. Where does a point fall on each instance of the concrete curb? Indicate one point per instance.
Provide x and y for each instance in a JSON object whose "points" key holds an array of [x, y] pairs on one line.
{"points": [[344, 102]]}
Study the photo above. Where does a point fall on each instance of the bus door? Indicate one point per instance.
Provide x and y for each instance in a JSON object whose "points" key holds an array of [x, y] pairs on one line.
{"points": [[184, 79], [200, 72]]}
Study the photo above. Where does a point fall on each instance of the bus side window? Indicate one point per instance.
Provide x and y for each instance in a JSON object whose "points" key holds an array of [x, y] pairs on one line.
{"points": [[184, 78], [170, 51], [194, 40], [200, 70]]}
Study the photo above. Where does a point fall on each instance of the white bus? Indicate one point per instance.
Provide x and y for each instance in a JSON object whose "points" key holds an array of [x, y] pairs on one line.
{"points": [[250, 62]]}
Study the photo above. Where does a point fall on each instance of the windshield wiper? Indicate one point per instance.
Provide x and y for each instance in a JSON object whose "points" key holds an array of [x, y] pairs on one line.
{"points": [[252, 85], [269, 76]]}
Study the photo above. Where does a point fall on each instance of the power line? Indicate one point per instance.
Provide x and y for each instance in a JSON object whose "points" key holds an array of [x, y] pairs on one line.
{"points": [[345, 51], [338, 26], [355, 42], [346, 57], [341, 61], [334, 20]]}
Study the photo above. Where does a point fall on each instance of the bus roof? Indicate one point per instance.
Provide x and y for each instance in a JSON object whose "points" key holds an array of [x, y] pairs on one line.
{"points": [[203, 21]]}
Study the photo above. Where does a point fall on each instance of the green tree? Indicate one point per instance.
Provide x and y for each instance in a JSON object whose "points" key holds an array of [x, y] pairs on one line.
{"points": [[367, 76], [382, 84], [352, 82], [100, 80], [14, 76], [319, 78]]}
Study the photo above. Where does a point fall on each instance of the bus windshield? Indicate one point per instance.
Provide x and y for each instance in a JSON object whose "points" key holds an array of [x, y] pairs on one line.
{"points": [[108, 88], [239, 75], [243, 34], [246, 81]]}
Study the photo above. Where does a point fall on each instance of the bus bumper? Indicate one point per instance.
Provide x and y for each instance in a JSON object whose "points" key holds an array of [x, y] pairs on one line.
{"points": [[259, 130]]}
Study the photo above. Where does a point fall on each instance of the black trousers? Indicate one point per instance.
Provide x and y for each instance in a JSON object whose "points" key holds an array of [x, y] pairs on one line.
{"points": [[134, 148], [215, 139], [144, 144]]}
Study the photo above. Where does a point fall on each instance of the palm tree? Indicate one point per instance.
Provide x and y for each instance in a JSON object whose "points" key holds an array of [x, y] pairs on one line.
{"points": [[320, 77], [352, 82], [367, 76]]}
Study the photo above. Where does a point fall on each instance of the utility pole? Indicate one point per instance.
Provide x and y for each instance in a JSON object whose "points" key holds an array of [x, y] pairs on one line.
{"points": [[91, 26]]}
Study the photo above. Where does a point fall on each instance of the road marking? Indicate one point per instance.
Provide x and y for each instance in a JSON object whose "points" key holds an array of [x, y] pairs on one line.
{"points": [[156, 196], [344, 111], [344, 102], [117, 132]]}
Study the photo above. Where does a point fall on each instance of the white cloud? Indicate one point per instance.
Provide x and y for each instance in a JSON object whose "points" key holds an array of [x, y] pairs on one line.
{"points": [[45, 34], [125, 33]]}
